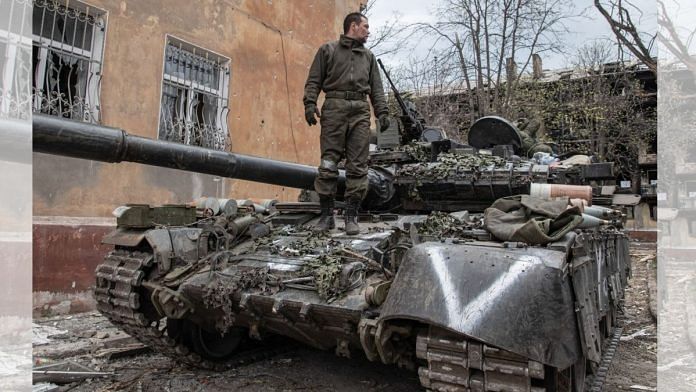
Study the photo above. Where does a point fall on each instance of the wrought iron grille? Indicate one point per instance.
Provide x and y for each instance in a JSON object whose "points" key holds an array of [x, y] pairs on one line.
{"points": [[15, 59], [68, 40], [194, 103]]}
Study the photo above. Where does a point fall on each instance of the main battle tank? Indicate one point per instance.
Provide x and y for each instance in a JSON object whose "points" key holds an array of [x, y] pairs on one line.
{"points": [[423, 286]]}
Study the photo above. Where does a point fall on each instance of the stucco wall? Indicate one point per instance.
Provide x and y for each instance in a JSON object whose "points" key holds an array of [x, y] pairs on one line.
{"points": [[271, 44]]}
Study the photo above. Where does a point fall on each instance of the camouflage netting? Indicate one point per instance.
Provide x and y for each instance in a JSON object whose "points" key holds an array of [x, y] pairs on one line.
{"points": [[451, 164], [220, 290], [444, 225], [419, 152], [325, 270], [324, 266], [299, 247]]}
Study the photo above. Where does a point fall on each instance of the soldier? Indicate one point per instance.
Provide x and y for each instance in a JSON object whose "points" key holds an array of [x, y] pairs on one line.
{"points": [[347, 72]]}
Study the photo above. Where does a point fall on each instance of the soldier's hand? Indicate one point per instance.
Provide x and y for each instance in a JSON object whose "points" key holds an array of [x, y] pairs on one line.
{"points": [[309, 112], [383, 122]]}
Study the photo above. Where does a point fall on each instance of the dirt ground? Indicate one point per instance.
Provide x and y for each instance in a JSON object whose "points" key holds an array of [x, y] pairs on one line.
{"points": [[83, 337], [677, 320], [634, 367]]}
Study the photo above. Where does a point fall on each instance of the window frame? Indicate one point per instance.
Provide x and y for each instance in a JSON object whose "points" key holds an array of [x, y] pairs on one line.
{"points": [[221, 93]]}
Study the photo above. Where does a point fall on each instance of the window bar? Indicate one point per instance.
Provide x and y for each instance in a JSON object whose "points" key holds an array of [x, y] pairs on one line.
{"points": [[180, 114], [71, 104], [9, 26], [53, 25], [75, 30], [86, 111], [84, 31], [24, 15], [179, 65], [187, 112], [194, 66]]}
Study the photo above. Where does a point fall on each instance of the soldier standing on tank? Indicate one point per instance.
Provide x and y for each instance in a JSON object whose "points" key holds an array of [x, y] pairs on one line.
{"points": [[347, 72]]}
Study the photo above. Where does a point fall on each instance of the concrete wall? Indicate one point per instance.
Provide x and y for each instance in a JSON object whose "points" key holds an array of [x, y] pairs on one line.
{"points": [[271, 45]]}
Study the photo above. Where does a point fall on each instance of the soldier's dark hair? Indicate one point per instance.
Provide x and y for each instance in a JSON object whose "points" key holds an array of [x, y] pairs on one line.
{"points": [[350, 18]]}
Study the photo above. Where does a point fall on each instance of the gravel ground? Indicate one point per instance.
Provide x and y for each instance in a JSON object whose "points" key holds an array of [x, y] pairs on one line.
{"points": [[82, 337]]}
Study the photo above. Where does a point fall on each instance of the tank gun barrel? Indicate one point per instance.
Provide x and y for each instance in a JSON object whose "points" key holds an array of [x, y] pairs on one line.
{"points": [[58, 136]]}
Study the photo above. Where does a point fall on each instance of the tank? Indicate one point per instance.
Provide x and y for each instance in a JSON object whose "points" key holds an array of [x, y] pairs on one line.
{"points": [[425, 285]]}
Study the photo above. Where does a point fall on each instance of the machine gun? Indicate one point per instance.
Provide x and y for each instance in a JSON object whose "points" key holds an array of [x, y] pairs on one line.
{"points": [[413, 123]]}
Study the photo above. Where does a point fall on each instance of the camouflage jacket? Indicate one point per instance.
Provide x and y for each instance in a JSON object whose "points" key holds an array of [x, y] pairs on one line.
{"points": [[345, 65]]}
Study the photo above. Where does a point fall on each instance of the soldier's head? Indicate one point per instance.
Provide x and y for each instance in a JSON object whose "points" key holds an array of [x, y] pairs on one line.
{"points": [[355, 26]]}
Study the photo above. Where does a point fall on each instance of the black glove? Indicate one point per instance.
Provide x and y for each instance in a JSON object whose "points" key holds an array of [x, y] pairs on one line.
{"points": [[383, 122], [309, 111]]}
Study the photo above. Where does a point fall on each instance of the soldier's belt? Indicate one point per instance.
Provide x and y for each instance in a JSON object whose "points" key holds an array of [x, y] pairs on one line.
{"points": [[349, 95]]}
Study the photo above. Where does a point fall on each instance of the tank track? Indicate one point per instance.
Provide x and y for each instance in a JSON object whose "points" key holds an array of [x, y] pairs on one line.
{"points": [[118, 295], [456, 364], [596, 383]]}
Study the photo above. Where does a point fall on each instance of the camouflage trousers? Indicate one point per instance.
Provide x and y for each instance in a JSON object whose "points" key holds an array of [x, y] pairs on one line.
{"points": [[345, 133]]}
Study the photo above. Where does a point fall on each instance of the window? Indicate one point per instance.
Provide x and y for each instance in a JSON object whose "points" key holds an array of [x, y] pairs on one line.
{"points": [[194, 102], [692, 227], [15, 60], [68, 43], [690, 189]]}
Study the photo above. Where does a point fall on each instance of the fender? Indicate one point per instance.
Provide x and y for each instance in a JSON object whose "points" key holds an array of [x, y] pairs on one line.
{"points": [[520, 300], [124, 237]]}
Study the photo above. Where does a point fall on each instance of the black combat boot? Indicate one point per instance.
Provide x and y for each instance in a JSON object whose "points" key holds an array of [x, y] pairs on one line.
{"points": [[326, 220], [351, 217]]}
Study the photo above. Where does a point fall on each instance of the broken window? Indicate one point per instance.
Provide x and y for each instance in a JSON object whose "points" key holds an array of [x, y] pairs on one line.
{"points": [[68, 43], [194, 103]]}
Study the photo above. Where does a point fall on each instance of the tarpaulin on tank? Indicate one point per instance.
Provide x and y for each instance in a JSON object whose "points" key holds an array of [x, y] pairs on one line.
{"points": [[530, 219], [514, 299]]}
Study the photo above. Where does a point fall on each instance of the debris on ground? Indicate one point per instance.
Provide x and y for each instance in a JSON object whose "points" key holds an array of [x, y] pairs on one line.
{"points": [[635, 362], [45, 387], [65, 372], [44, 333]]}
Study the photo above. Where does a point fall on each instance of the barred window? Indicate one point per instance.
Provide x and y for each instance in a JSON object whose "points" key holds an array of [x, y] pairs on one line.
{"points": [[68, 44], [15, 60], [194, 102]]}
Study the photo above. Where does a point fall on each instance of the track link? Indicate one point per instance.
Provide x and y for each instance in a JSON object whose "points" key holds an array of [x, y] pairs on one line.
{"points": [[596, 383], [118, 294], [456, 364]]}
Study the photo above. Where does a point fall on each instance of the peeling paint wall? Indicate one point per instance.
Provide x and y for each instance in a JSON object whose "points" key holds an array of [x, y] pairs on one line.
{"points": [[66, 252], [70, 250], [270, 43]]}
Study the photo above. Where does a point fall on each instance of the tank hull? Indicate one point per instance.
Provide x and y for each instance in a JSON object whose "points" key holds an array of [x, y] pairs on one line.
{"points": [[529, 314]]}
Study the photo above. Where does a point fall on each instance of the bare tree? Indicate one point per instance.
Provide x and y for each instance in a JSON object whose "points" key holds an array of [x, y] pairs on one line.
{"points": [[618, 14], [389, 38], [672, 40], [592, 56], [489, 38]]}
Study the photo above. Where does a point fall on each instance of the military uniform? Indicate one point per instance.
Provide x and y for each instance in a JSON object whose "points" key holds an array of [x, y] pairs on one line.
{"points": [[347, 72]]}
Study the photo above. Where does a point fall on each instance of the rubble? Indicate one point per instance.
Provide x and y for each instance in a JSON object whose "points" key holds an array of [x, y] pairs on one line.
{"points": [[65, 373], [300, 369]]}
